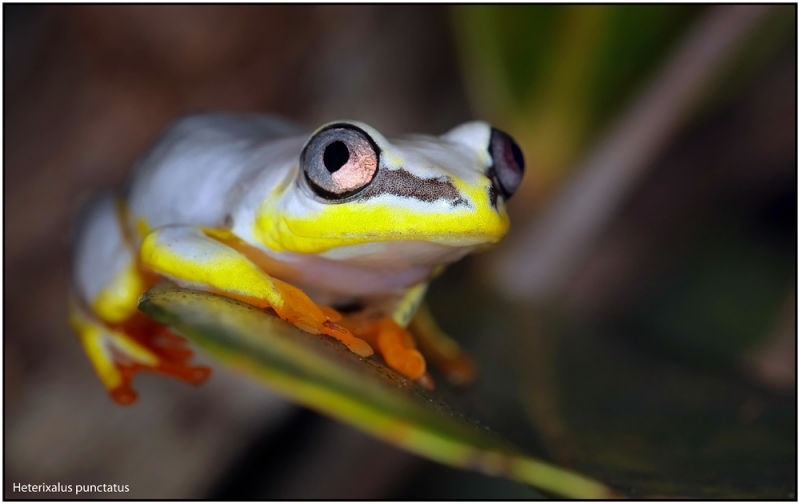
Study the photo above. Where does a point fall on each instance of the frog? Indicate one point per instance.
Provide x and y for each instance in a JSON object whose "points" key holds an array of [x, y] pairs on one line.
{"points": [[338, 231]]}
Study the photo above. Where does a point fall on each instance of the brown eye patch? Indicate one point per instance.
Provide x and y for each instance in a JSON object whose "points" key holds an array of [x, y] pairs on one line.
{"points": [[402, 183]]}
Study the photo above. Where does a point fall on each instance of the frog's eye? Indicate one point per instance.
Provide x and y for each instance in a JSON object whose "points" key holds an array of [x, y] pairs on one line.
{"points": [[339, 161], [509, 164]]}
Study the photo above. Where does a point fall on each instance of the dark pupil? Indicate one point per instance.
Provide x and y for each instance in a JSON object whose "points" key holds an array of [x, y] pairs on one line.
{"points": [[336, 155]]}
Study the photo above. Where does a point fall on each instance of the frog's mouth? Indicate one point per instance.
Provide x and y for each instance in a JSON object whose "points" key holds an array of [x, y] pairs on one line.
{"points": [[309, 227]]}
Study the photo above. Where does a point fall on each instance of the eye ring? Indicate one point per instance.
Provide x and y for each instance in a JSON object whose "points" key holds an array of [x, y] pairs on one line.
{"points": [[340, 161], [508, 163]]}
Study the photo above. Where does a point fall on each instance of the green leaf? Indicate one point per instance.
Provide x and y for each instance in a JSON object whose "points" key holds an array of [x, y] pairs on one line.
{"points": [[322, 374]]}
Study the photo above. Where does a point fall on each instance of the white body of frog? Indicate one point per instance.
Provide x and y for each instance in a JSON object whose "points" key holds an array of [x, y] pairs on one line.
{"points": [[342, 213]]}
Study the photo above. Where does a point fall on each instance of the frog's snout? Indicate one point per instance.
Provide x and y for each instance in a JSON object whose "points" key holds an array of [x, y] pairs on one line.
{"points": [[508, 166]]}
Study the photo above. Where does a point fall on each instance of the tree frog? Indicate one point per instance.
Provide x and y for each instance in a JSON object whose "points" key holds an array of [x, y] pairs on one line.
{"points": [[338, 231]]}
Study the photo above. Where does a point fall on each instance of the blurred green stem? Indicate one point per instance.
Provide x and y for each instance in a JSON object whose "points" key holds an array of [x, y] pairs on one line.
{"points": [[541, 257]]}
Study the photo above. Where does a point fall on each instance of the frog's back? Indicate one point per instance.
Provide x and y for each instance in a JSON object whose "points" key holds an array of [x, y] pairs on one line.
{"points": [[194, 169]]}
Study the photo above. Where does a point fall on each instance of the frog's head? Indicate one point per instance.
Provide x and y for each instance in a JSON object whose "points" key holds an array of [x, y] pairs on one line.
{"points": [[354, 193]]}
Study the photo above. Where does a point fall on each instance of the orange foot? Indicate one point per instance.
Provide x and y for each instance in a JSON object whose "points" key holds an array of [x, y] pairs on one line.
{"points": [[396, 346], [143, 345], [299, 310]]}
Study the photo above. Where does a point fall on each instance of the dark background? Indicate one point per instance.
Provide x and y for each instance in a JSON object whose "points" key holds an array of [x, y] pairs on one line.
{"points": [[660, 360]]}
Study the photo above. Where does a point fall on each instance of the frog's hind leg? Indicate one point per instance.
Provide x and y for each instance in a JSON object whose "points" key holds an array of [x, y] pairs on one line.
{"points": [[118, 353], [107, 283]]}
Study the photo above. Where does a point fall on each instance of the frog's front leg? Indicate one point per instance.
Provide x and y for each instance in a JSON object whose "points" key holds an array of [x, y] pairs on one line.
{"points": [[395, 344], [193, 258], [441, 349], [406, 349]]}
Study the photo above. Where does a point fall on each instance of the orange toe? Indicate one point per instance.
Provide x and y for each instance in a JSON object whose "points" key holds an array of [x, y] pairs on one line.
{"points": [[397, 348], [408, 362], [123, 395], [355, 345]]}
